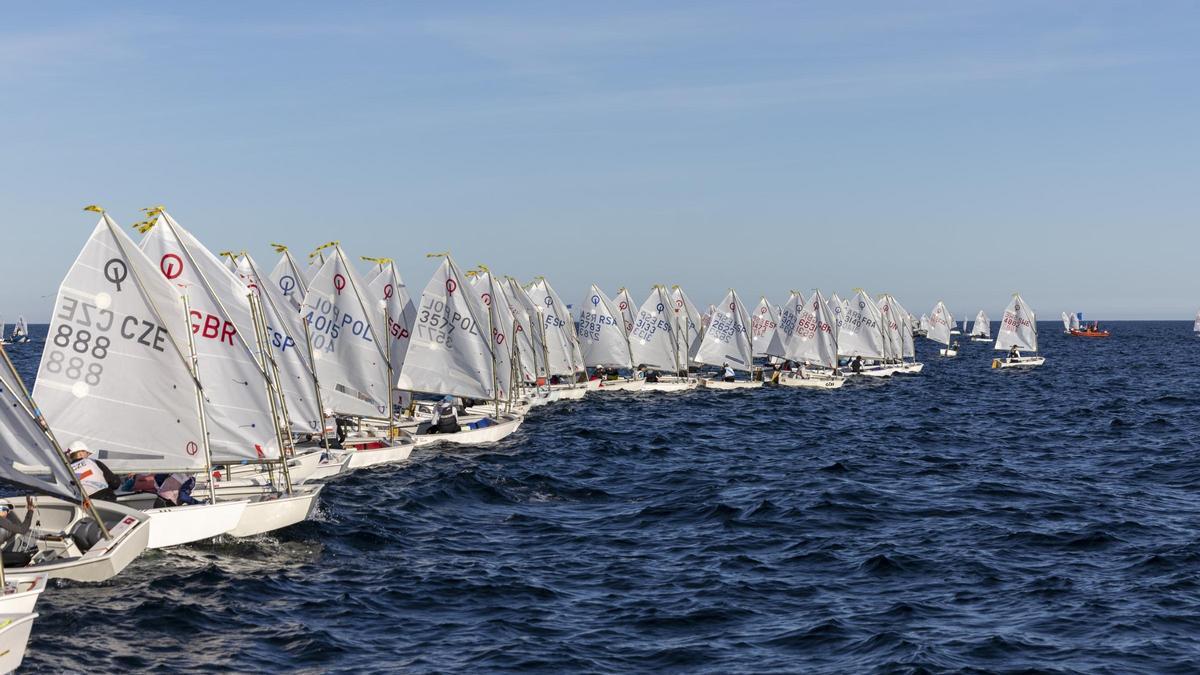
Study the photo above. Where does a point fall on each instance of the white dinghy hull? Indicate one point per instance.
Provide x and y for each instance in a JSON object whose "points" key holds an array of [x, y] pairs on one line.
{"points": [[621, 385], [669, 385], [362, 457], [736, 384], [1022, 362], [177, 525], [948, 352], [14, 638], [825, 382], [981, 339], [910, 368], [21, 592], [271, 510], [129, 533], [489, 434], [569, 392]]}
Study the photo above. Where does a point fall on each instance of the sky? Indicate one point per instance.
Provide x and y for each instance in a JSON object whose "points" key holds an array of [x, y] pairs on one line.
{"points": [[958, 150]]}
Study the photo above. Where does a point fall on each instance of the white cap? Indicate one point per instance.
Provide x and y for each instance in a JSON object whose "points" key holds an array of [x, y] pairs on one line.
{"points": [[78, 446]]}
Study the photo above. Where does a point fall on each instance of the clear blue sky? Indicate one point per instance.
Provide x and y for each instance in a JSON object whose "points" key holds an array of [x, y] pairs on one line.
{"points": [[956, 149]]}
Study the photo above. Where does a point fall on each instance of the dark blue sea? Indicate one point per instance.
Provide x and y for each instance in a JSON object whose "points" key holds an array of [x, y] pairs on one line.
{"points": [[961, 519]]}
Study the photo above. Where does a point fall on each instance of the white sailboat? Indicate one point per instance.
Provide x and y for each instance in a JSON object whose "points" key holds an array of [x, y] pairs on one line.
{"points": [[655, 344], [1196, 324], [1074, 322], [1018, 331], [345, 329], [242, 409], [766, 339], [1066, 319], [939, 322], [452, 353], [726, 344], [861, 337], [981, 330], [604, 341], [688, 328], [532, 376], [813, 341], [20, 334], [118, 355], [907, 347], [564, 364], [623, 302], [288, 278], [14, 638]]}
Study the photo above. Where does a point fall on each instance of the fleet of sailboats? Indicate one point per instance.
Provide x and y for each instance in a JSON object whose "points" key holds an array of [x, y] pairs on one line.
{"points": [[228, 393]]}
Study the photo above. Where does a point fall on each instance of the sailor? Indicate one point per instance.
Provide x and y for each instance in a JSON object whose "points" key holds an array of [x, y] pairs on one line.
{"points": [[1014, 353], [98, 481], [10, 524], [445, 417], [856, 364], [650, 375], [727, 372]]}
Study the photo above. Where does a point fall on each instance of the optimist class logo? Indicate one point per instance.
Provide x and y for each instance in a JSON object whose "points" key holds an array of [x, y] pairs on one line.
{"points": [[171, 266], [339, 283], [451, 286], [387, 292]]}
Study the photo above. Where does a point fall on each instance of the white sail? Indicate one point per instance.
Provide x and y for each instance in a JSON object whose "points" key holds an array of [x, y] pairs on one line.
{"points": [[1066, 319], [652, 340], [838, 307], [861, 332], [765, 337], [1074, 321], [982, 326], [908, 348], [891, 326], [1018, 327], [289, 347], [528, 335], [289, 280], [450, 351], [727, 339], [814, 336], [345, 330], [22, 328], [497, 316], [688, 328], [1196, 324], [789, 313], [398, 313], [603, 339], [556, 327], [939, 324], [623, 302], [241, 424], [27, 457], [114, 373]]}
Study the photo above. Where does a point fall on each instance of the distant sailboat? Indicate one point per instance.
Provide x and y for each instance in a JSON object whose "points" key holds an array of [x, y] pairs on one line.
{"points": [[981, 330], [812, 340], [940, 321], [20, 332], [1018, 330], [727, 344]]}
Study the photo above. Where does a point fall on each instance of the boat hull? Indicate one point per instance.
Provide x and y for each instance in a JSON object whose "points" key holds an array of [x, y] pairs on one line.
{"points": [[363, 457], [825, 382], [268, 510], [948, 352], [736, 384], [128, 528], [14, 638], [489, 434], [667, 385], [176, 525], [621, 385], [1023, 362], [21, 592], [981, 339]]}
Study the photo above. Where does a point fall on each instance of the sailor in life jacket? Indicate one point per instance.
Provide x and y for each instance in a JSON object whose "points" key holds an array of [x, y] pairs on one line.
{"points": [[98, 480], [727, 373], [445, 417]]}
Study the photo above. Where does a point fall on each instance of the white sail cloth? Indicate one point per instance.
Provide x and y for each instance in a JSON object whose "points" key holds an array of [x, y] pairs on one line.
{"points": [[344, 327], [688, 329], [388, 291], [499, 318], [982, 326], [27, 457], [652, 340], [286, 335], [1018, 328], [289, 280], [623, 302], [814, 336], [765, 337], [562, 351], [115, 371], [861, 331], [450, 350], [939, 324], [603, 339], [237, 400], [727, 338], [528, 336]]}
